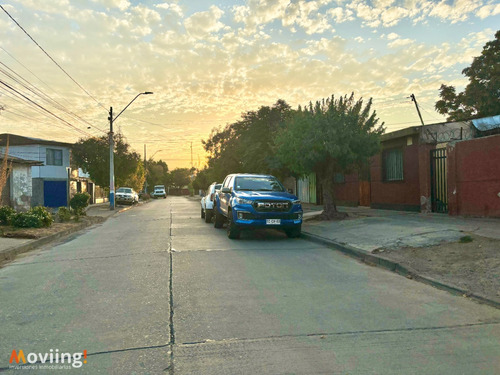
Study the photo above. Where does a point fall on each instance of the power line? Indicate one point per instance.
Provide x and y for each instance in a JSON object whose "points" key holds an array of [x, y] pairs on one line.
{"points": [[50, 57], [14, 76], [43, 108]]}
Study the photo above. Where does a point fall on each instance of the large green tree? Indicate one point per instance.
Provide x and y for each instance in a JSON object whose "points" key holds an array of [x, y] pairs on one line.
{"points": [[92, 155], [248, 144], [481, 97], [332, 136]]}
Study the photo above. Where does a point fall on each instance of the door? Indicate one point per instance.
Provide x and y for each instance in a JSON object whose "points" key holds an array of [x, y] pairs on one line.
{"points": [[54, 193], [439, 185], [364, 193]]}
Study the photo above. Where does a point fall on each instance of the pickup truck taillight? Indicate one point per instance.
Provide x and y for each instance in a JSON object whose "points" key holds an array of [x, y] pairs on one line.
{"points": [[212, 196]]}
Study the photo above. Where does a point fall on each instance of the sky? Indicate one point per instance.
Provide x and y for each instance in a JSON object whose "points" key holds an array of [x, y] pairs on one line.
{"points": [[207, 62]]}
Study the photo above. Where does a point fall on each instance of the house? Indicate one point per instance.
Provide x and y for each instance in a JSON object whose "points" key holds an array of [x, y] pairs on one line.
{"points": [[49, 180], [17, 191], [449, 167], [410, 173]]}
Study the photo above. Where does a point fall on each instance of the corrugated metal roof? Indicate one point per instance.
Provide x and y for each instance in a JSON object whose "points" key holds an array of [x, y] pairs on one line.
{"points": [[487, 123]]}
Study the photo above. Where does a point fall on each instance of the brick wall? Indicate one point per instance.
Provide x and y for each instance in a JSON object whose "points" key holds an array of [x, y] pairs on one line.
{"points": [[474, 177]]}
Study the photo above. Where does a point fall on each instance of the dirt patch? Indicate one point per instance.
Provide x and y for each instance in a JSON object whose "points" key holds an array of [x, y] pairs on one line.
{"points": [[35, 233], [473, 266]]}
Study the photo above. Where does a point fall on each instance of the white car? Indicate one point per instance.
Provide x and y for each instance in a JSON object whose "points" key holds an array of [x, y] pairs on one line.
{"points": [[207, 202], [126, 195], [159, 191]]}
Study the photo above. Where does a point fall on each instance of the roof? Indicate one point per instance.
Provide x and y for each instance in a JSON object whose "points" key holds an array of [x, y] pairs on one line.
{"points": [[17, 140], [401, 133], [487, 123], [16, 160]]}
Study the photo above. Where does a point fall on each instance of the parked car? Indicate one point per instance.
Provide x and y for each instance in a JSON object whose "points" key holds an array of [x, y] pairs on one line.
{"points": [[207, 202], [126, 195], [159, 192], [256, 201]]}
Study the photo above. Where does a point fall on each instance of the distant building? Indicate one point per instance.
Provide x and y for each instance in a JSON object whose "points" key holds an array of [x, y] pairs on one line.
{"points": [[50, 178]]}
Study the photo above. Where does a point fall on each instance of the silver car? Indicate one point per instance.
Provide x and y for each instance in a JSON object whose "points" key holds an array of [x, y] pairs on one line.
{"points": [[126, 195], [207, 202]]}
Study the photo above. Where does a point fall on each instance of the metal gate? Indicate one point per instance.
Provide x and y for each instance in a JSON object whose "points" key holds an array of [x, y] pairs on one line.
{"points": [[439, 186], [54, 193]]}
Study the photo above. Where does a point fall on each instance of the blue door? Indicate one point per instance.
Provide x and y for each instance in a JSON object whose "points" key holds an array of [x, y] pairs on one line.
{"points": [[54, 193]]}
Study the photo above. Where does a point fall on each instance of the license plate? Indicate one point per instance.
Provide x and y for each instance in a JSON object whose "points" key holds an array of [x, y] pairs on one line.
{"points": [[273, 221]]}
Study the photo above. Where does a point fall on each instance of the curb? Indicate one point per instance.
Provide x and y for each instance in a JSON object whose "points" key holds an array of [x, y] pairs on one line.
{"points": [[395, 267]]}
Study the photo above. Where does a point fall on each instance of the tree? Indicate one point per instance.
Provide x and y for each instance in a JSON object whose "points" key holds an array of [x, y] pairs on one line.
{"points": [[481, 97], [92, 155], [157, 173], [248, 145], [334, 136], [136, 180], [181, 177], [202, 180]]}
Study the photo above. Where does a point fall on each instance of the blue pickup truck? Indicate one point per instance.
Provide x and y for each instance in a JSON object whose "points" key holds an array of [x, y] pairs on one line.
{"points": [[249, 201]]}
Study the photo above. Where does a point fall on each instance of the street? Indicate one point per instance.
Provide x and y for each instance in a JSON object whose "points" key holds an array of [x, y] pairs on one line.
{"points": [[157, 290]]}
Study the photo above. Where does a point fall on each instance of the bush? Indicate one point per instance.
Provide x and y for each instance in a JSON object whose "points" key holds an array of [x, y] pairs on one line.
{"points": [[145, 197], [26, 220], [43, 214], [79, 202], [64, 214], [5, 213]]}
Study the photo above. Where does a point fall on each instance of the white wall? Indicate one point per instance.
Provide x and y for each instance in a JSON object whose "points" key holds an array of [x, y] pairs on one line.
{"points": [[39, 152], [20, 187]]}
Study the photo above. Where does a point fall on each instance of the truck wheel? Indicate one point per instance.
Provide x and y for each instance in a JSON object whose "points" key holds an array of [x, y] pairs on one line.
{"points": [[208, 216], [294, 232], [233, 232], [202, 213], [219, 219]]}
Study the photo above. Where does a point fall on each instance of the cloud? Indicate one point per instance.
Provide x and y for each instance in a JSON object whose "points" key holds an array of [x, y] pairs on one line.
{"points": [[400, 43], [120, 4], [202, 23], [172, 7], [458, 11], [488, 11]]}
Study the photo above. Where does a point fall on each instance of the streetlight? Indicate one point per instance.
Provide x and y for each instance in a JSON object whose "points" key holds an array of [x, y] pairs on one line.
{"points": [[111, 150], [151, 157]]}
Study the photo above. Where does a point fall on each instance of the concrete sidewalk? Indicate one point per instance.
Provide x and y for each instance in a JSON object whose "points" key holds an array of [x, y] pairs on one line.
{"points": [[370, 229], [9, 247]]}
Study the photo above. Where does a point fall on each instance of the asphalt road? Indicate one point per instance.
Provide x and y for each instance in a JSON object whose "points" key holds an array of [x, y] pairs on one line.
{"points": [[157, 290]]}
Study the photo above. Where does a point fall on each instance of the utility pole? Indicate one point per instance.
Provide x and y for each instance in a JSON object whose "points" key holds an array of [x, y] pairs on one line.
{"points": [[191, 155], [111, 162], [112, 149], [145, 171], [412, 97]]}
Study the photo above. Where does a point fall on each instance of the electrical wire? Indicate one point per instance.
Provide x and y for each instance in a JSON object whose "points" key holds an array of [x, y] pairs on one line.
{"points": [[14, 76], [50, 57], [43, 108]]}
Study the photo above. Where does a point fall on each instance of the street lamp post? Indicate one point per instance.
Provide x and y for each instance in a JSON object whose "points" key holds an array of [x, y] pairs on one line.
{"points": [[111, 150]]}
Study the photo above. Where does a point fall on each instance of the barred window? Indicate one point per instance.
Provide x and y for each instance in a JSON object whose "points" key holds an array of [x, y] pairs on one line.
{"points": [[393, 165], [54, 157]]}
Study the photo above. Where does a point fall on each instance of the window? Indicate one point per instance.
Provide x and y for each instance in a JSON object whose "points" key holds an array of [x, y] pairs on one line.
{"points": [[393, 164], [339, 178], [54, 157]]}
